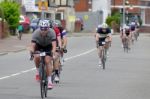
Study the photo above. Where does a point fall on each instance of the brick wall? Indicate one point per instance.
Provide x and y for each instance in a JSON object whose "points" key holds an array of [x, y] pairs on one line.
{"points": [[145, 29], [120, 2], [147, 16], [81, 6], [132, 2]]}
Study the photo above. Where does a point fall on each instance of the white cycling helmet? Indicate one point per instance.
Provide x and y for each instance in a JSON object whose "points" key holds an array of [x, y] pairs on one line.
{"points": [[126, 27], [44, 24], [104, 25]]}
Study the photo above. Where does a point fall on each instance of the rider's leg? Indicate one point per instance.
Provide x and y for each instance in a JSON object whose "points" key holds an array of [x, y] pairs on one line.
{"points": [[49, 70], [57, 63], [37, 62]]}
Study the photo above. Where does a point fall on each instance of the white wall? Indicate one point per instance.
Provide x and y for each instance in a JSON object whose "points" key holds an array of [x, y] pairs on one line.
{"points": [[103, 5]]}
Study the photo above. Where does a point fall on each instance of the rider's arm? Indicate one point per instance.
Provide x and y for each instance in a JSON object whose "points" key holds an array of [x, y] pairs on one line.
{"points": [[53, 46], [53, 38], [64, 34], [97, 37], [33, 42], [58, 37], [32, 47], [64, 41]]}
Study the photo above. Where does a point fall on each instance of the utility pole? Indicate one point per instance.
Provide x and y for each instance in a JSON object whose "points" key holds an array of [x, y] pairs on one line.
{"points": [[43, 6], [124, 1], [42, 11]]}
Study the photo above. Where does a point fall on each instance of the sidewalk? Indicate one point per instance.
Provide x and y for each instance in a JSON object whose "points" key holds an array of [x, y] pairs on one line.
{"points": [[13, 44]]}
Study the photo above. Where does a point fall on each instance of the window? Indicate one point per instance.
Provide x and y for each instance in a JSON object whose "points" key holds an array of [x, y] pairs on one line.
{"points": [[61, 2], [145, 3]]}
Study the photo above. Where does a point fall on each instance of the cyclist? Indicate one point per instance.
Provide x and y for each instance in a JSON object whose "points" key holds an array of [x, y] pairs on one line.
{"points": [[133, 30], [103, 35], [137, 28], [126, 34], [44, 39], [63, 34], [57, 56]]}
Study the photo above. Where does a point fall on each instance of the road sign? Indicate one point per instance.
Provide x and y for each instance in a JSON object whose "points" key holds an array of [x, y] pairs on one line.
{"points": [[43, 5]]}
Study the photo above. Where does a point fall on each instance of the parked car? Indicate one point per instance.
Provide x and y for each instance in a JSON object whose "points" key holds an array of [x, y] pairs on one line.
{"points": [[34, 24]]}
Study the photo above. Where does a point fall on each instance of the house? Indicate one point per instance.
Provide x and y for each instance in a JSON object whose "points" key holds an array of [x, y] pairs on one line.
{"points": [[135, 9], [53, 9], [92, 12]]}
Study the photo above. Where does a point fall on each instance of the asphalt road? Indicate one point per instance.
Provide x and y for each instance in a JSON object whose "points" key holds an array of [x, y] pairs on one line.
{"points": [[127, 75]]}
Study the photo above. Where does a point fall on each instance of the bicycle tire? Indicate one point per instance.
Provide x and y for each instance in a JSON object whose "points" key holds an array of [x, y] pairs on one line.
{"points": [[103, 58], [42, 82], [46, 84]]}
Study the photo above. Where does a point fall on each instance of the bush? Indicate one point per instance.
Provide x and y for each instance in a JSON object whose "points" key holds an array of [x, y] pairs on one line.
{"points": [[114, 21], [11, 14]]}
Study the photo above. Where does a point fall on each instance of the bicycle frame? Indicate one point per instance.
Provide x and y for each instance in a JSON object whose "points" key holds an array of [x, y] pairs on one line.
{"points": [[126, 44], [43, 75], [103, 54]]}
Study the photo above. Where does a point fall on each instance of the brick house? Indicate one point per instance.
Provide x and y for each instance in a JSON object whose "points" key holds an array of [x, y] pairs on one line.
{"points": [[92, 9], [135, 9]]}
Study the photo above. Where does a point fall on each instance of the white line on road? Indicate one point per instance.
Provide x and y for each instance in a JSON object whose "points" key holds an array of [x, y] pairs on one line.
{"points": [[32, 69]]}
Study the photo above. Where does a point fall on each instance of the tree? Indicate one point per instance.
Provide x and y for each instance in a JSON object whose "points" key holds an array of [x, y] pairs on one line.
{"points": [[114, 21], [2, 16], [11, 14]]}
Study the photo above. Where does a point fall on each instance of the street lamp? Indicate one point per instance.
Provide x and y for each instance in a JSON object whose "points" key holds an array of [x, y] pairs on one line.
{"points": [[123, 13], [125, 2]]}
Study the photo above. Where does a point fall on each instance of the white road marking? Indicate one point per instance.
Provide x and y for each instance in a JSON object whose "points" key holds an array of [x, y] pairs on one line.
{"points": [[32, 69]]}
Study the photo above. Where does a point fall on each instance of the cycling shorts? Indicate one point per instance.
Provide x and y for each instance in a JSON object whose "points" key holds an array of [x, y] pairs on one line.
{"points": [[101, 40], [47, 48]]}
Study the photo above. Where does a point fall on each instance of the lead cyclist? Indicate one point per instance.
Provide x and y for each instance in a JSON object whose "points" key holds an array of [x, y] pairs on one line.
{"points": [[103, 34]]}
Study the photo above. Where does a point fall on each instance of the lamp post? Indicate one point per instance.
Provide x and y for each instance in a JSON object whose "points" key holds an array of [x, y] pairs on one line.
{"points": [[123, 22], [42, 12]]}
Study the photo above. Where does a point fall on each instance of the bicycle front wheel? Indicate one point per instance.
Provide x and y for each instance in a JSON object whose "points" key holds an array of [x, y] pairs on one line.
{"points": [[43, 85], [103, 58]]}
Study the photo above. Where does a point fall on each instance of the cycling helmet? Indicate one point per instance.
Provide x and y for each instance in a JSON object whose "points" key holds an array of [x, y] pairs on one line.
{"points": [[55, 24], [44, 24], [104, 25], [126, 27]]}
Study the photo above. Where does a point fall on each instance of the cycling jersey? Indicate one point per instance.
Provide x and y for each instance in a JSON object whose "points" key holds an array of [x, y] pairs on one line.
{"points": [[63, 32], [43, 40], [102, 33], [132, 27], [57, 31], [127, 32]]}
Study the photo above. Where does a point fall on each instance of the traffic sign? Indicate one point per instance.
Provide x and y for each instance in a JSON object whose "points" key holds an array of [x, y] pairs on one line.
{"points": [[43, 5]]}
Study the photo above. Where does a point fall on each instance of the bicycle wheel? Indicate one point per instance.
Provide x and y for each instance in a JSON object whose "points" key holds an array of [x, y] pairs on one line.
{"points": [[42, 82], [125, 45], [45, 86], [103, 58]]}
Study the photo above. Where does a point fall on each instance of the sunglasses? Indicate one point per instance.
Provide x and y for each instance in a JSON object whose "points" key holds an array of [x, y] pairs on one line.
{"points": [[43, 28]]}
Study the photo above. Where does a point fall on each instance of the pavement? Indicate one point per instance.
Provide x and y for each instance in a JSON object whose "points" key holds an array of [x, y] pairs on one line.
{"points": [[12, 44]]}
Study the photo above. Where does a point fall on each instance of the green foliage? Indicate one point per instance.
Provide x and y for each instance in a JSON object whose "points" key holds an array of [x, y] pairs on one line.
{"points": [[11, 13], [114, 18]]}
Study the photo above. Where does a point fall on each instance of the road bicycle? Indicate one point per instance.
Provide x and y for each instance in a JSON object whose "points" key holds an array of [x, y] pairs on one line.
{"points": [[103, 54], [126, 44], [42, 73]]}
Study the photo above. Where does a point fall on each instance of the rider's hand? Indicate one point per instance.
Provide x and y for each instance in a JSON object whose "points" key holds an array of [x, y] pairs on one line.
{"points": [[53, 54]]}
